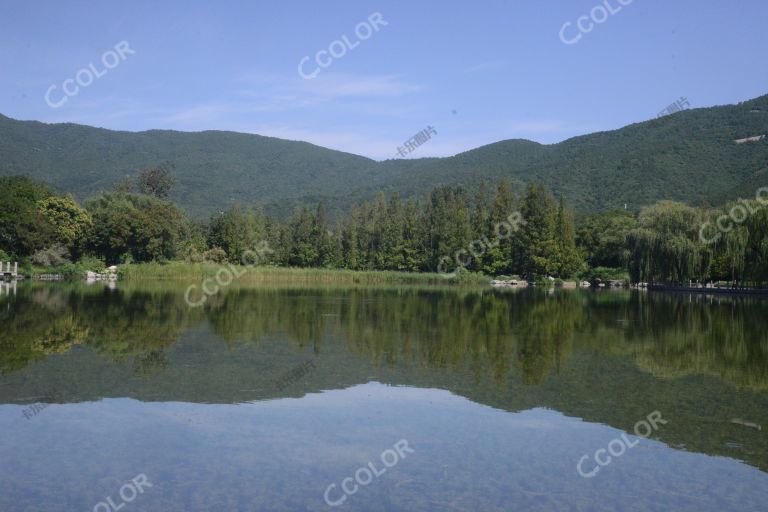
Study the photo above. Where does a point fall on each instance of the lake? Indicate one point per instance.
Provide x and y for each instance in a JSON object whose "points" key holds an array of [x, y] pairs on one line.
{"points": [[381, 399]]}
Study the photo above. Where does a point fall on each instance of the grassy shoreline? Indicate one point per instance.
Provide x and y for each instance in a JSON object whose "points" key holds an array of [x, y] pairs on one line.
{"points": [[177, 271]]}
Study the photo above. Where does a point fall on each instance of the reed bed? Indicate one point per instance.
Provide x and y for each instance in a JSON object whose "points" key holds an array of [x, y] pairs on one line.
{"points": [[176, 271]]}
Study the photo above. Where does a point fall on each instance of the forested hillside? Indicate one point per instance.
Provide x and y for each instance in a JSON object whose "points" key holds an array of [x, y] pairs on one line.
{"points": [[690, 156]]}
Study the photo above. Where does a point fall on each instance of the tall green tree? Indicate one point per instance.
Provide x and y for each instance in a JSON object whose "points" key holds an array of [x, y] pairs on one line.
{"points": [[237, 231], [538, 244], [24, 228], [602, 238], [323, 238], [665, 247], [499, 246], [350, 242], [303, 229], [156, 181], [136, 227], [448, 227], [70, 222], [567, 259]]}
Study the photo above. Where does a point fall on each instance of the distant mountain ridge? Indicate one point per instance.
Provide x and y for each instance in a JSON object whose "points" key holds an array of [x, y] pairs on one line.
{"points": [[690, 156]]}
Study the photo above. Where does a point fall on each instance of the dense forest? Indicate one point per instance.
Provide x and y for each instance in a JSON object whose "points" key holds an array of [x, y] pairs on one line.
{"points": [[528, 232], [690, 156]]}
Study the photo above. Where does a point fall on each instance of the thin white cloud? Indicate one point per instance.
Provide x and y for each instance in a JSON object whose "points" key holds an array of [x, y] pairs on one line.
{"points": [[198, 115], [345, 86], [273, 94], [556, 128], [358, 142], [543, 126], [485, 66], [282, 92]]}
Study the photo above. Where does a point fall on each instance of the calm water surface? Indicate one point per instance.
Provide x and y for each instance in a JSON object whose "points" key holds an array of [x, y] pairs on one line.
{"points": [[264, 398]]}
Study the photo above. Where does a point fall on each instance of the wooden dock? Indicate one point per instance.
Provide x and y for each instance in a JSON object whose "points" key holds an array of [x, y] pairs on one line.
{"points": [[8, 274], [704, 290]]}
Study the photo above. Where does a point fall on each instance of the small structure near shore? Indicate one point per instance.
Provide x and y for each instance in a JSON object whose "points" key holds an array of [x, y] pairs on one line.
{"points": [[50, 277], [609, 283], [708, 289], [508, 283], [110, 274], [5, 268]]}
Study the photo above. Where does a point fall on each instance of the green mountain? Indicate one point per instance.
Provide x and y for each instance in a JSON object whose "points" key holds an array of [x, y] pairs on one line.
{"points": [[690, 156]]}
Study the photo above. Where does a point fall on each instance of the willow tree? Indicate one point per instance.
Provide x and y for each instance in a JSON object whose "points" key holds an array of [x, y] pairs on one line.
{"points": [[665, 247], [757, 249], [741, 245]]}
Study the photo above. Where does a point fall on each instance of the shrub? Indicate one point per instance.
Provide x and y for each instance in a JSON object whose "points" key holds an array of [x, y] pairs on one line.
{"points": [[51, 257], [91, 263], [215, 255], [605, 274], [192, 255]]}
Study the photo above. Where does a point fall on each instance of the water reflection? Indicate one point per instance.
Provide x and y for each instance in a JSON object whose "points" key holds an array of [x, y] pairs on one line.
{"points": [[607, 358], [530, 334]]}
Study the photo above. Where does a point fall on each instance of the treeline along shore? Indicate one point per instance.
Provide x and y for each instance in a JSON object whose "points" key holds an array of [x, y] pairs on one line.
{"points": [[528, 233]]}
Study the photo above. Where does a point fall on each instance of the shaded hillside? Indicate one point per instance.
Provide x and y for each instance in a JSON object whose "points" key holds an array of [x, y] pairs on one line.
{"points": [[690, 156], [213, 169]]}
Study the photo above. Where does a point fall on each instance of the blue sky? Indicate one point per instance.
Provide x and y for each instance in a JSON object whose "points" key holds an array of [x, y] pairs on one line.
{"points": [[478, 72]]}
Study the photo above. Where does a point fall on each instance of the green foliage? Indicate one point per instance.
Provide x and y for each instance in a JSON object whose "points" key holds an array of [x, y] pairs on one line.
{"points": [[123, 186], [689, 156], [740, 252], [538, 242], [662, 244], [51, 257], [236, 231], [665, 247], [156, 181], [602, 238], [134, 227], [71, 223], [567, 259], [502, 253], [605, 274], [23, 228]]}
